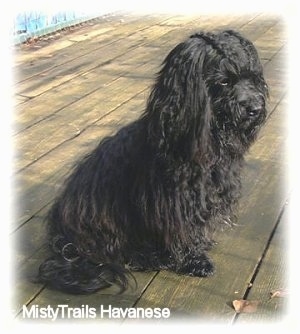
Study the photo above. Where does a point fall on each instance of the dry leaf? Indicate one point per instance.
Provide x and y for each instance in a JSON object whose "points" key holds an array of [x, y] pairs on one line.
{"points": [[245, 306], [279, 293]]}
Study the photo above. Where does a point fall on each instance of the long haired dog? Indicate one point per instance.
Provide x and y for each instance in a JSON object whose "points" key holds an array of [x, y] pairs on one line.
{"points": [[150, 196]]}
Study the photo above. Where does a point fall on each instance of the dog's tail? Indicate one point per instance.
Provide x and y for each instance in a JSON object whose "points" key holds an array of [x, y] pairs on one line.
{"points": [[70, 272]]}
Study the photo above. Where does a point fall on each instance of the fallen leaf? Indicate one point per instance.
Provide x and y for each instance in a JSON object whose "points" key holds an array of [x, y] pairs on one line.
{"points": [[245, 306], [279, 293]]}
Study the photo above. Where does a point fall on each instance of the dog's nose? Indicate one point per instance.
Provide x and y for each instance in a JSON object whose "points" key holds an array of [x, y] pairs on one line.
{"points": [[251, 107], [253, 110]]}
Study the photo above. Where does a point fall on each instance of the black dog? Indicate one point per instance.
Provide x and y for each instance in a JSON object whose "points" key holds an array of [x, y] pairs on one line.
{"points": [[149, 197]]}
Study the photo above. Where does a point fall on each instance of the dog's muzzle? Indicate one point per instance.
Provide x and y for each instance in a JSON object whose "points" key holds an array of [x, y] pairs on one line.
{"points": [[252, 108], [250, 100]]}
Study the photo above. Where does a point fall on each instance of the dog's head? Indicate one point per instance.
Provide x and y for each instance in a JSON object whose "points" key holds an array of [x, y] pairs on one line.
{"points": [[209, 95]]}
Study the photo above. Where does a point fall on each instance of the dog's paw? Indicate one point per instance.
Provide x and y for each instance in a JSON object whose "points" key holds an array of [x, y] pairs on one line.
{"points": [[200, 267], [204, 270]]}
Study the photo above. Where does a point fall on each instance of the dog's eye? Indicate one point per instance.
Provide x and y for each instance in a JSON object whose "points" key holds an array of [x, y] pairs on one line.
{"points": [[224, 82]]}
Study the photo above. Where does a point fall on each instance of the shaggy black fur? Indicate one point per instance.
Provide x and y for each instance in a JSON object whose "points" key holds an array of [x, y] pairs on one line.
{"points": [[149, 197]]}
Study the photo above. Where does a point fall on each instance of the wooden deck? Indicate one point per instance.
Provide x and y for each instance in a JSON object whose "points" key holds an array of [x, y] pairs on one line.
{"points": [[79, 85]]}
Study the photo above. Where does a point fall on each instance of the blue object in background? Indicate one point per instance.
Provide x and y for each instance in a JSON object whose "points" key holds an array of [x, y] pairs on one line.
{"points": [[38, 23]]}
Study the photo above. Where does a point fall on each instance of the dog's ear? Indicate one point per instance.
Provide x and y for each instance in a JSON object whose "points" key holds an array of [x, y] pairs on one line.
{"points": [[179, 108]]}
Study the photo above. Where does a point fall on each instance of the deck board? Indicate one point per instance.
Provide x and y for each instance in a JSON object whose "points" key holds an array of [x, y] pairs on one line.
{"points": [[74, 90], [272, 276]]}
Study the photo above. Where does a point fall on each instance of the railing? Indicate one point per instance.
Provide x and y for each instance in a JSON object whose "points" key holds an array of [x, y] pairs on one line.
{"points": [[30, 24]]}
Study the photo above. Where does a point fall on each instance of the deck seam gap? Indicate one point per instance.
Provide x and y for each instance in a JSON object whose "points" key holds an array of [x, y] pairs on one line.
{"points": [[271, 112], [29, 218], [144, 289], [31, 300], [64, 106], [264, 253]]}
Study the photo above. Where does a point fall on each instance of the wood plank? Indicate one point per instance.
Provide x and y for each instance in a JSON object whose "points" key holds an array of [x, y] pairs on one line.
{"points": [[55, 43], [56, 104], [44, 106], [32, 145], [37, 185], [273, 39], [272, 276], [78, 88], [275, 72], [36, 59], [70, 121], [58, 72], [28, 239], [57, 75], [259, 26]]}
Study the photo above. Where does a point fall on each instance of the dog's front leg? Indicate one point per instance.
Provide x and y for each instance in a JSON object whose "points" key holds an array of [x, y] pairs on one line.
{"points": [[194, 263]]}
